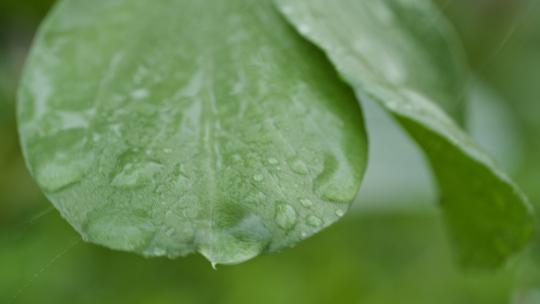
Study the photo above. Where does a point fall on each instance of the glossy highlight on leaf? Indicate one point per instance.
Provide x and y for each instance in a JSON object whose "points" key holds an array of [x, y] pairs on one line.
{"points": [[177, 126], [403, 55]]}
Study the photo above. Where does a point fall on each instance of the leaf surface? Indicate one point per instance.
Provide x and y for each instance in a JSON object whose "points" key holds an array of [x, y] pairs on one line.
{"points": [[403, 55], [177, 126]]}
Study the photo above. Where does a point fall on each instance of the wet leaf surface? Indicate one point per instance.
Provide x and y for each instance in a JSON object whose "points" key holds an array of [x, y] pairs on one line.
{"points": [[181, 126]]}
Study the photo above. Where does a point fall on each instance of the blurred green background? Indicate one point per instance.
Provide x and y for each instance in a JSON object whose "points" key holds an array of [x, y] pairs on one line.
{"points": [[391, 248]]}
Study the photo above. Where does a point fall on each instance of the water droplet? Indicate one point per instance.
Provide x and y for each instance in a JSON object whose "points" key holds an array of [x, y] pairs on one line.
{"points": [[336, 183], [314, 221], [258, 178], [285, 216], [134, 169], [59, 173], [62, 160], [299, 167], [135, 174], [129, 230], [340, 212], [241, 242], [306, 202], [273, 161]]}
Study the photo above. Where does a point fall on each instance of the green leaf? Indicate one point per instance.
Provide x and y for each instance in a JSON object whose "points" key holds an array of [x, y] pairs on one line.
{"points": [[404, 55], [174, 126]]}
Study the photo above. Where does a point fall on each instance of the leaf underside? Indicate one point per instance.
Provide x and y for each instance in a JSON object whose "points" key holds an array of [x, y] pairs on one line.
{"points": [[170, 127], [403, 55]]}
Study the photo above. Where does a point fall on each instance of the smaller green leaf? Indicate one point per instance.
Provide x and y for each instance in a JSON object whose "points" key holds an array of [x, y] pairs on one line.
{"points": [[403, 55]]}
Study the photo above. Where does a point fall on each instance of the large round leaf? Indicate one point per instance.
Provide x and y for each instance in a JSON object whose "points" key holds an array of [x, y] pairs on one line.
{"points": [[174, 126]]}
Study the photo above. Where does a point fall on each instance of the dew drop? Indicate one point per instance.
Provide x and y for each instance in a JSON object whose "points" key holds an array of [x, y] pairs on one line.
{"points": [[340, 212], [59, 173], [285, 216], [62, 160], [128, 231], [331, 186], [298, 166], [258, 178], [135, 174], [241, 242], [134, 170], [314, 221], [306, 202]]}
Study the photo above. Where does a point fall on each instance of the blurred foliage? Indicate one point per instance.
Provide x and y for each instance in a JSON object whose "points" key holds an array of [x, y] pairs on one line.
{"points": [[370, 257], [28, 12], [502, 39], [19, 197], [376, 258]]}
